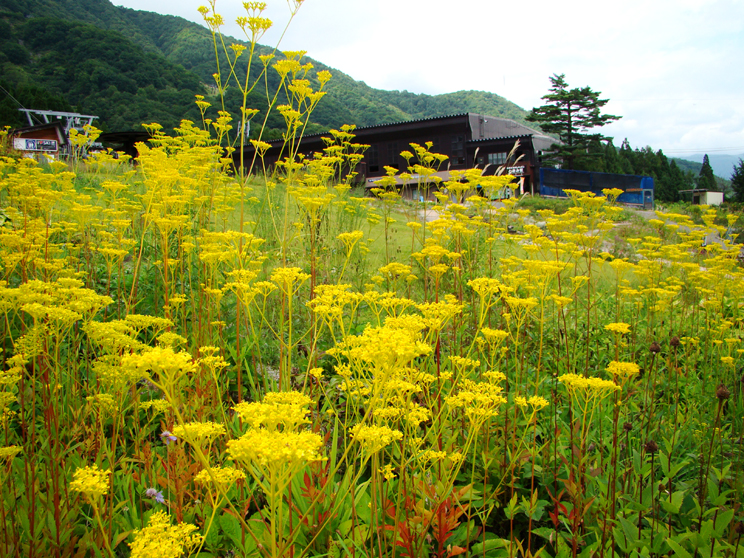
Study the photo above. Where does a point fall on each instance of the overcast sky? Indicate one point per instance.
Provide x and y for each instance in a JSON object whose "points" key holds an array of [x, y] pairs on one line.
{"points": [[671, 68]]}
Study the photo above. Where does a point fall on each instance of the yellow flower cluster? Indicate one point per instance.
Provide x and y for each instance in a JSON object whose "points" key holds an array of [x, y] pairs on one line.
{"points": [[620, 328], [161, 363], [157, 405], [494, 335], [384, 347], [272, 415], [591, 386], [10, 452], [463, 362], [160, 539], [479, 400], [387, 472], [104, 401], [289, 279], [198, 432], [223, 476], [494, 376], [374, 438], [623, 369], [91, 481], [536, 402], [286, 409], [272, 449]]}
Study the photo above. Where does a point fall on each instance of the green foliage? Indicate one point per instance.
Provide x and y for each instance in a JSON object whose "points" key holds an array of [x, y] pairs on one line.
{"points": [[29, 95], [669, 177], [99, 72], [737, 181], [179, 51], [706, 180], [570, 114]]}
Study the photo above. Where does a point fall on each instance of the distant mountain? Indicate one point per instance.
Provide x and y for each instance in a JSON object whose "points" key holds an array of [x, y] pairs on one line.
{"points": [[130, 66], [723, 165]]}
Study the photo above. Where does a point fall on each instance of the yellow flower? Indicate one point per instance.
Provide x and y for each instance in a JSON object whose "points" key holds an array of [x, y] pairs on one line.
{"points": [[271, 449], [623, 369], [197, 432], [591, 386], [728, 361], [387, 472], [537, 402], [9, 452], [105, 402], [374, 438], [620, 328], [224, 476], [157, 405], [91, 481], [494, 376], [431, 455], [160, 539], [286, 409]]}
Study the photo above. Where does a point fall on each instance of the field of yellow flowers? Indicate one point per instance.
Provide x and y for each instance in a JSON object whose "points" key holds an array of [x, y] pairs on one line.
{"points": [[197, 361]]}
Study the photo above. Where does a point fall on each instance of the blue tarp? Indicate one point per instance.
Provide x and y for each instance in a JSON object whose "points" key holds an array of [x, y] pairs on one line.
{"points": [[636, 189]]}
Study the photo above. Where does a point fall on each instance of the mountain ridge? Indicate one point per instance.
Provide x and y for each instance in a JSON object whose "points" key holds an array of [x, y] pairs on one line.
{"points": [[174, 41]]}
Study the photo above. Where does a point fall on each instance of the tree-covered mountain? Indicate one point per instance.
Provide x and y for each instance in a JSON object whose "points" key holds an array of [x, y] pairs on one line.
{"points": [[671, 175], [130, 66]]}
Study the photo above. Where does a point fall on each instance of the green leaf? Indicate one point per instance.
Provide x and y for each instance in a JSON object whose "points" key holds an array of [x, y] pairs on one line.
{"points": [[678, 550], [675, 504], [488, 545], [231, 527], [511, 508], [212, 537], [630, 531], [722, 523]]}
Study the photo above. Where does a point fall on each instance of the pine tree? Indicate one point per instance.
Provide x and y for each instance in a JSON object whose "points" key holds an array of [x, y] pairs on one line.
{"points": [[611, 159], [570, 113], [737, 181], [706, 180]]}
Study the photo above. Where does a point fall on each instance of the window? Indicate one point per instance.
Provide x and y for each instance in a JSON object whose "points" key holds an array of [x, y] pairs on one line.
{"points": [[497, 158], [373, 159], [393, 154], [458, 150]]}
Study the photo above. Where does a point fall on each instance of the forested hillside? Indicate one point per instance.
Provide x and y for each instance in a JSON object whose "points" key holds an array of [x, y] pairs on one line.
{"points": [[130, 66], [670, 174]]}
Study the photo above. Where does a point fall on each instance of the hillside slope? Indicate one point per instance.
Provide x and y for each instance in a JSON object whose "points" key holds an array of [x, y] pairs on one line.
{"points": [[145, 67]]}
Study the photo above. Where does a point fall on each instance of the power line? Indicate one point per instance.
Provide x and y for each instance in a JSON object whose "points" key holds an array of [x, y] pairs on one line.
{"points": [[20, 104]]}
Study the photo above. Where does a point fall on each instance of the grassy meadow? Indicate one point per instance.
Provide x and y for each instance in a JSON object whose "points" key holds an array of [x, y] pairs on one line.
{"points": [[198, 361]]}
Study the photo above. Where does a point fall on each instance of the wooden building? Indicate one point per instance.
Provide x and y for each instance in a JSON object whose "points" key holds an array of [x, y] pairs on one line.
{"points": [[468, 139], [43, 140]]}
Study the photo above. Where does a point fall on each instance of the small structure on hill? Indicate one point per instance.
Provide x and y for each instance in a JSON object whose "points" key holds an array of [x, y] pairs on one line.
{"points": [[36, 142], [699, 196], [52, 126]]}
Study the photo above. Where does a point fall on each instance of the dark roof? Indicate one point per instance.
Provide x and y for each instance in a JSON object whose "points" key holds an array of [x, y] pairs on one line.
{"points": [[125, 137], [481, 140], [493, 124], [399, 122]]}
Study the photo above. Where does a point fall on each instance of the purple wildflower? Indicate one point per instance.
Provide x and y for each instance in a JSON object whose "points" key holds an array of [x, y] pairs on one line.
{"points": [[168, 437], [155, 494]]}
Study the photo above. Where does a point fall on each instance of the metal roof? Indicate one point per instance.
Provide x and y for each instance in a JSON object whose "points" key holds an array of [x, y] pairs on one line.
{"points": [[501, 138], [534, 133]]}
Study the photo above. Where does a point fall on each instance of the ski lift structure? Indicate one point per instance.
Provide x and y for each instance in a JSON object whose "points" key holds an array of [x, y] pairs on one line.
{"points": [[67, 121]]}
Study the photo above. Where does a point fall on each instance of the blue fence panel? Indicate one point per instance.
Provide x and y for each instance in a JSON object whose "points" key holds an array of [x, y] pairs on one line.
{"points": [[636, 189]]}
